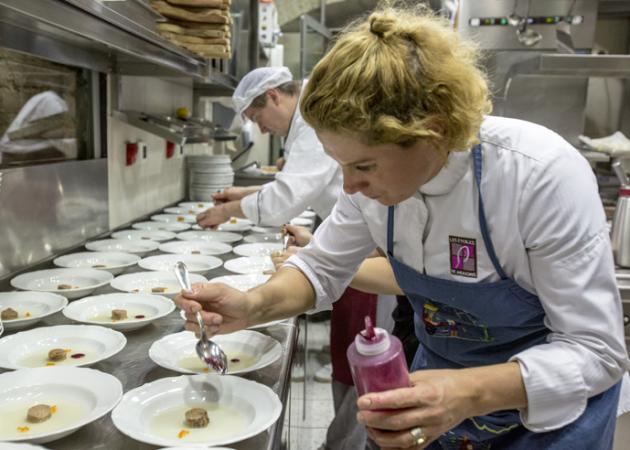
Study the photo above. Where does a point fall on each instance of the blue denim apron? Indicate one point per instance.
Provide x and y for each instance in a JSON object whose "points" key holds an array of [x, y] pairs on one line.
{"points": [[475, 324]]}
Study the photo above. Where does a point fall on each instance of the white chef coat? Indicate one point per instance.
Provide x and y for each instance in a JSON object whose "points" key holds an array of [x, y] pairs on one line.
{"points": [[309, 178], [548, 228]]}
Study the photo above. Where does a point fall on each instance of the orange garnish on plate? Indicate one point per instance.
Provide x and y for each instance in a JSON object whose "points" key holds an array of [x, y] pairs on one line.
{"points": [[53, 409], [50, 363], [183, 433], [180, 219], [205, 370], [27, 314], [23, 429]]}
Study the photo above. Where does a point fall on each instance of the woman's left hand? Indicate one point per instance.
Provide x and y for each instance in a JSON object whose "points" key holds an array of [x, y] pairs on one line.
{"points": [[436, 402]]}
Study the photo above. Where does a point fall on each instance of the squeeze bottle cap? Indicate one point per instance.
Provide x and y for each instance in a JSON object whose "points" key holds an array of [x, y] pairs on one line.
{"points": [[372, 340]]}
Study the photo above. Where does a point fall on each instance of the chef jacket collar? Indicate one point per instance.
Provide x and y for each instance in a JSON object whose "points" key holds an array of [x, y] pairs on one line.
{"points": [[456, 166]]}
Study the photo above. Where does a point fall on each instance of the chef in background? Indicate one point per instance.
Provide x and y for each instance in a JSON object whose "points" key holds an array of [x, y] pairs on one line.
{"points": [[493, 228], [269, 97]]}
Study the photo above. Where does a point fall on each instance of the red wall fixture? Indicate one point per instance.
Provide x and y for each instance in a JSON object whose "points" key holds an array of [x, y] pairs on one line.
{"points": [[170, 149], [131, 153]]}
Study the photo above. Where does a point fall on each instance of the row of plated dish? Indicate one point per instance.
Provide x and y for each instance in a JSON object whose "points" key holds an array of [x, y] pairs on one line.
{"points": [[153, 412]]}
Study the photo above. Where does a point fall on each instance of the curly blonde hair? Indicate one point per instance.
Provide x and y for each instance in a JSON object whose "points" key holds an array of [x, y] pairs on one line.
{"points": [[400, 75]]}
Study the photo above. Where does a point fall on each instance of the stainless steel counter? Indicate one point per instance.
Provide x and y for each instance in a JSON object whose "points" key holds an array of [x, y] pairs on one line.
{"points": [[133, 368]]}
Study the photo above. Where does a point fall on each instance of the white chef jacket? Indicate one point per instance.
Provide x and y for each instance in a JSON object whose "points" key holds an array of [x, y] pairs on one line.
{"points": [[309, 178], [548, 228]]}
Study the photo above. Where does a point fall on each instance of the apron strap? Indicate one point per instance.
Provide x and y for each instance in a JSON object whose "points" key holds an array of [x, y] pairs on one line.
{"points": [[482, 215], [390, 231]]}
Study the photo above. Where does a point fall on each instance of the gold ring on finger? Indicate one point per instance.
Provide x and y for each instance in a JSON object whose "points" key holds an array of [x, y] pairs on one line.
{"points": [[418, 435]]}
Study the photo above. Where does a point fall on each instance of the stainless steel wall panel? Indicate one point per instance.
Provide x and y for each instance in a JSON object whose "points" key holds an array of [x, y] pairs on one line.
{"points": [[47, 208], [505, 38]]}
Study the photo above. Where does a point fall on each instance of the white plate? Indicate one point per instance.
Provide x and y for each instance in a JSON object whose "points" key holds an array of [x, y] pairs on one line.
{"points": [[250, 264], [30, 306], [195, 263], [18, 446], [199, 247], [96, 310], [238, 409], [30, 348], [83, 281], [166, 226], [302, 222], [146, 235], [178, 218], [252, 349], [194, 448], [138, 247], [145, 282], [242, 282], [236, 224], [196, 205], [256, 238], [259, 249], [210, 235], [267, 230], [80, 395], [181, 210], [308, 214], [113, 262]]}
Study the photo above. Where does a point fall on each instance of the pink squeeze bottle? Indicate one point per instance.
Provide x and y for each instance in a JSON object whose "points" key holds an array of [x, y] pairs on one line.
{"points": [[377, 361]]}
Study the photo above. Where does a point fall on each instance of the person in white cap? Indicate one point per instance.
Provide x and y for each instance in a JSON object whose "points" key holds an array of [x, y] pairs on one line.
{"points": [[269, 97]]}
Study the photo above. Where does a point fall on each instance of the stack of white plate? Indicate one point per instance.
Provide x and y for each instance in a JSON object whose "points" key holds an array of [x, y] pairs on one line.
{"points": [[208, 174]]}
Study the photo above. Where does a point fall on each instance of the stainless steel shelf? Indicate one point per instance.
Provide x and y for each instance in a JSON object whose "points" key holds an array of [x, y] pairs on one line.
{"points": [[88, 34], [566, 65], [175, 130]]}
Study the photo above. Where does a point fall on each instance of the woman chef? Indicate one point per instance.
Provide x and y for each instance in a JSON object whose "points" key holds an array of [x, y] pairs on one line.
{"points": [[494, 230], [269, 97]]}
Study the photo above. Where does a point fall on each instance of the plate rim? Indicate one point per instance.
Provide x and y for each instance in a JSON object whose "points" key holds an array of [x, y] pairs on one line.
{"points": [[275, 351], [17, 279], [26, 321], [116, 384], [122, 343], [168, 303], [276, 411]]}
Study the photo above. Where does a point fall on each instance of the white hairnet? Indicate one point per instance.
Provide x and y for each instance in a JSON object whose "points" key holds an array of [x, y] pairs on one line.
{"points": [[257, 82]]}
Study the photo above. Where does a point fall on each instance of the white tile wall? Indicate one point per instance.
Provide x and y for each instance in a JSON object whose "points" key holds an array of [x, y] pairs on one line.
{"points": [[150, 183], [155, 95], [153, 182]]}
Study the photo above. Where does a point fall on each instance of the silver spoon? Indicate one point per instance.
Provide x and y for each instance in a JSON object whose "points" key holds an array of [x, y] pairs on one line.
{"points": [[285, 239], [209, 352]]}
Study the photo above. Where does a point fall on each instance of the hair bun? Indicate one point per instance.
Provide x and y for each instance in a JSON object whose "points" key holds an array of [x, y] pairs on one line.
{"points": [[381, 23]]}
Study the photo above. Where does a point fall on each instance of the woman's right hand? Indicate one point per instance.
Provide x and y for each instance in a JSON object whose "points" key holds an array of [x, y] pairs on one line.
{"points": [[224, 309], [298, 236]]}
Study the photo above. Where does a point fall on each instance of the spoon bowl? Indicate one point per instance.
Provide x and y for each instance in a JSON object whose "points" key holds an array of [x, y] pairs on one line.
{"points": [[208, 351]]}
